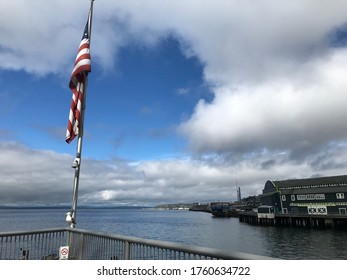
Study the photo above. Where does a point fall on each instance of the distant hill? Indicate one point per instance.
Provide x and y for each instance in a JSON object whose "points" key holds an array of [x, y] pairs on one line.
{"points": [[174, 206]]}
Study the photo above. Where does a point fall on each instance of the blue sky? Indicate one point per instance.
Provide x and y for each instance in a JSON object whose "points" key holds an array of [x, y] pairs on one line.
{"points": [[184, 100], [132, 110]]}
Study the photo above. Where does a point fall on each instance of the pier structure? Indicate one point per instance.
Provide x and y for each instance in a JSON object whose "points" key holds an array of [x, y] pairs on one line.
{"points": [[295, 220], [312, 203], [312, 196]]}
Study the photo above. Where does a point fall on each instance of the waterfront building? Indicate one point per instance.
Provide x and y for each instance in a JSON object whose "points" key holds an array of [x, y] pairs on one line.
{"points": [[313, 196]]}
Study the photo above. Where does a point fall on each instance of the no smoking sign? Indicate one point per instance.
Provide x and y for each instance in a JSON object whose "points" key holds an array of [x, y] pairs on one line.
{"points": [[64, 253]]}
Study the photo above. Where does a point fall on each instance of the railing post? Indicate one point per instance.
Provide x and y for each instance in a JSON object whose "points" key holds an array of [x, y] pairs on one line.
{"points": [[81, 246], [127, 250], [69, 241]]}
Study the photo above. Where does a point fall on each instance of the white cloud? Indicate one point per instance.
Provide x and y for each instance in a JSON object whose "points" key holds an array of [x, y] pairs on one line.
{"points": [[278, 110], [31, 177], [237, 42], [291, 114]]}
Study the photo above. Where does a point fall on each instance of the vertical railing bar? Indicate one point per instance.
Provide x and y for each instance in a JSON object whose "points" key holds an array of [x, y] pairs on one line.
{"points": [[45, 244], [134, 251], [96, 247], [121, 249], [115, 249], [81, 246], [126, 250], [35, 245], [52, 244], [12, 247], [92, 246], [105, 253], [1, 248], [103, 248], [42, 242], [115, 244], [29, 246], [86, 247], [5, 251], [99, 247], [38, 244], [107, 249], [118, 249], [110, 248]]}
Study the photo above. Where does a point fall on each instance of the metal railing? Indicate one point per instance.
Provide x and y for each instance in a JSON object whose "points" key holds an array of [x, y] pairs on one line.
{"points": [[88, 245], [34, 245]]}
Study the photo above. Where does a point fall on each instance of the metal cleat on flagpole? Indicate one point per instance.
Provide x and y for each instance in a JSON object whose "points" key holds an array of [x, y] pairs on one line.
{"points": [[76, 163]]}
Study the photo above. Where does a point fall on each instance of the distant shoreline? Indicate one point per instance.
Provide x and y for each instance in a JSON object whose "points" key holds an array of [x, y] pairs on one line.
{"points": [[79, 207]]}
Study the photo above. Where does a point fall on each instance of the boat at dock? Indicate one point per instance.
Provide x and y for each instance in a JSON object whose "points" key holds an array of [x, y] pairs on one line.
{"points": [[223, 210]]}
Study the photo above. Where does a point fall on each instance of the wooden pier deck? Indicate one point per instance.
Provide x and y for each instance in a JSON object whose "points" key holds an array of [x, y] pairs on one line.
{"points": [[296, 220]]}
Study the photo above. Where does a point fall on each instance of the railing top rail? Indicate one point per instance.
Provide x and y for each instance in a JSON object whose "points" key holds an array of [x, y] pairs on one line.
{"points": [[30, 232]]}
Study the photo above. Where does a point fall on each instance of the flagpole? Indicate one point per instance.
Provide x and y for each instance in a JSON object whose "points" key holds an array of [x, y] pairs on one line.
{"points": [[71, 217]]}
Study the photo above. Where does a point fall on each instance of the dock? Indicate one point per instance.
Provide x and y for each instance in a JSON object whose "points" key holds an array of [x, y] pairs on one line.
{"points": [[295, 220]]}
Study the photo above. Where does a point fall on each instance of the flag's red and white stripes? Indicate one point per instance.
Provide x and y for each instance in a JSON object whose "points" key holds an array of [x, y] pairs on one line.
{"points": [[77, 85]]}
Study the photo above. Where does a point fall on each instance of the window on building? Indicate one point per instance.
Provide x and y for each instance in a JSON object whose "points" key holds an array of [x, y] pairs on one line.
{"points": [[322, 210], [283, 197], [340, 195], [319, 196], [285, 211], [310, 196], [292, 197], [301, 197], [342, 211], [317, 210]]}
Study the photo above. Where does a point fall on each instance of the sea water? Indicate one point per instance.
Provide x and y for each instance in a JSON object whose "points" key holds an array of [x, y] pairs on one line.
{"points": [[186, 227]]}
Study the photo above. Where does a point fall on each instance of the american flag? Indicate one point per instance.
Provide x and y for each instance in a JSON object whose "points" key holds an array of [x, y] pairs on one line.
{"points": [[77, 84]]}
